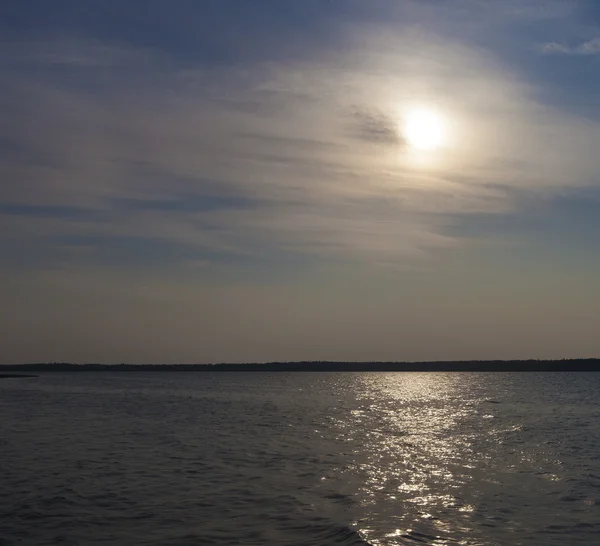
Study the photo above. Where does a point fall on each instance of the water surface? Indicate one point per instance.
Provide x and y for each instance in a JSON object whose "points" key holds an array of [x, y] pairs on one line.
{"points": [[300, 459]]}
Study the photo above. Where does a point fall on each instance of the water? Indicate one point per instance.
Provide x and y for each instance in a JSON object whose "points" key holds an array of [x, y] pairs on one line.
{"points": [[300, 459]]}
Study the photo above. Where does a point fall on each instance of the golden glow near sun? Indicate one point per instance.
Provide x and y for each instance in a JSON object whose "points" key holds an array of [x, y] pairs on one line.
{"points": [[424, 129]]}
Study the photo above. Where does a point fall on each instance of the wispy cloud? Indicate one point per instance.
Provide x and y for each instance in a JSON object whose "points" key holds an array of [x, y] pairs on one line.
{"points": [[178, 153], [589, 47], [374, 127]]}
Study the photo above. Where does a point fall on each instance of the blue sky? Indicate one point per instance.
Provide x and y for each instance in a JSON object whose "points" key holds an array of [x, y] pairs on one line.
{"points": [[234, 181]]}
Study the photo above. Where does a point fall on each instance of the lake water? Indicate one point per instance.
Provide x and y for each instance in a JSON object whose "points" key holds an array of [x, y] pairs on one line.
{"points": [[300, 459]]}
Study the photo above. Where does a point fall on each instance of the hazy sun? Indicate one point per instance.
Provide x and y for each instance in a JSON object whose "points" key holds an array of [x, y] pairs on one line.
{"points": [[424, 129]]}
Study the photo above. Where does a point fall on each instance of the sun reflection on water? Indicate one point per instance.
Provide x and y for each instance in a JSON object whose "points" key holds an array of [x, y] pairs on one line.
{"points": [[411, 446]]}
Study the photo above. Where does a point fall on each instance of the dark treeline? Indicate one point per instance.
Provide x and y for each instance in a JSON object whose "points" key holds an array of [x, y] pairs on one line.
{"points": [[571, 365]]}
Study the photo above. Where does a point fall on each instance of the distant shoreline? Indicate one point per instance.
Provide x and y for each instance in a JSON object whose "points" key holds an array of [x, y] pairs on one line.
{"points": [[566, 365], [9, 375]]}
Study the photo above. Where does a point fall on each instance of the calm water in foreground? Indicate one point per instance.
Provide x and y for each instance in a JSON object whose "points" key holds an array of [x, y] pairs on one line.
{"points": [[300, 459]]}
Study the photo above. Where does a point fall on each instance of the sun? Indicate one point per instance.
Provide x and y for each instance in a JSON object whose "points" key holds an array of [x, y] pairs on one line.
{"points": [[424, 129]]}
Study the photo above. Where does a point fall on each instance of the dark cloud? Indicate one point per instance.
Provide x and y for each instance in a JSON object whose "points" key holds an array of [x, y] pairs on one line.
{"points": [[183, 204], [374, 126], [43, 211]]}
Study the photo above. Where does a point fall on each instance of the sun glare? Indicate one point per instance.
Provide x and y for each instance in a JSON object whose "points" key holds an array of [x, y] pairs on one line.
{"points": [[424, 129]]}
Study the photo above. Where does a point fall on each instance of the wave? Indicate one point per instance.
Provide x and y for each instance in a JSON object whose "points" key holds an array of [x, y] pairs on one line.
{"points": [[332, 534]]}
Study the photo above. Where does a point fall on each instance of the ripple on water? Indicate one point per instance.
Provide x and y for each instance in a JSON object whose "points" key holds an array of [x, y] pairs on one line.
{"points": [[295, 459]]}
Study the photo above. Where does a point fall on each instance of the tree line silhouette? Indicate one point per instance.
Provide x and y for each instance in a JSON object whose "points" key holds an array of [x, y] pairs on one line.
{"points": [[577, 364]]}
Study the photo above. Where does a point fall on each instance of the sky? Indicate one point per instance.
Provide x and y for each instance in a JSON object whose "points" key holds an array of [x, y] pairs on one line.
{"points": [[277, 180]]}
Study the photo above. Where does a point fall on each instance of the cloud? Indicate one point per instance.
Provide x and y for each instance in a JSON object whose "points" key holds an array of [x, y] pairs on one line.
{"points": [[590, 47], [374, 127], [302, 157]]}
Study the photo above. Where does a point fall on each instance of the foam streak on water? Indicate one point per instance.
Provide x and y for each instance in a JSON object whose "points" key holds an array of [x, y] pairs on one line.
{"points": [[300, 459]]}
